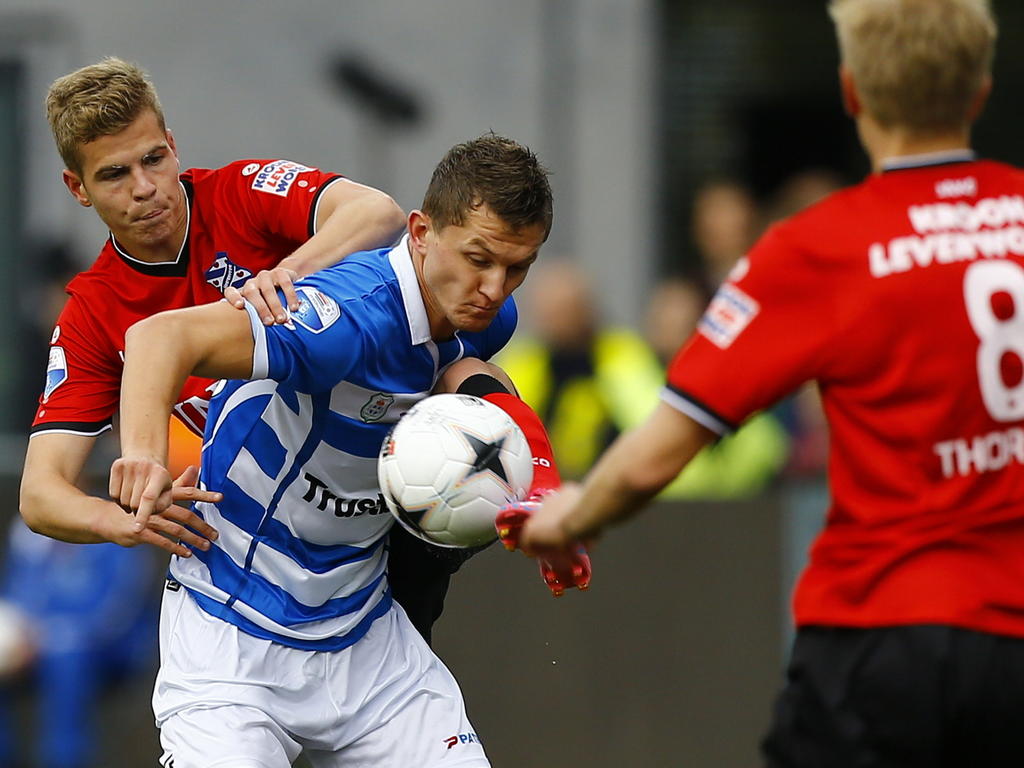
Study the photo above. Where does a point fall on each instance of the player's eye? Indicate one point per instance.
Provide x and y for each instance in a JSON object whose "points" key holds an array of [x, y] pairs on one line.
{"points": [[152, 159], [112, 174]]}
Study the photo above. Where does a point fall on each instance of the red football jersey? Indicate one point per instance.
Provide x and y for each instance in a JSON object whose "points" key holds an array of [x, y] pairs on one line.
{"points": [[242, 218], [903, 298]]}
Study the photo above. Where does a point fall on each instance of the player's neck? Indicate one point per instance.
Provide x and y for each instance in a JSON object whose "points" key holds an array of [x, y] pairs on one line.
{"points": [[884, 144], [159, 254]]}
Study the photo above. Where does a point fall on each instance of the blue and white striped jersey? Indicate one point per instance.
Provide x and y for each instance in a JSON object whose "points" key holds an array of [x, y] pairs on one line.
{"points": [[302, 557]]}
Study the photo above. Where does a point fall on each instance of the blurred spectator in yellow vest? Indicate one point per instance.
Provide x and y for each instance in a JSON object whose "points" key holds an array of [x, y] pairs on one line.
{"points": [[737, 466], [588, 382]]}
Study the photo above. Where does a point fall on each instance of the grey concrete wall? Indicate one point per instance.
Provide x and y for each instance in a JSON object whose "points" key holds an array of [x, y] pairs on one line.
{"points": [[670, 660], [247, 77]]}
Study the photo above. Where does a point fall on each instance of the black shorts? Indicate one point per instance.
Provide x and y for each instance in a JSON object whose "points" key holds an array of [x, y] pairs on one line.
{"points": [[419, 574], [907, 697]]}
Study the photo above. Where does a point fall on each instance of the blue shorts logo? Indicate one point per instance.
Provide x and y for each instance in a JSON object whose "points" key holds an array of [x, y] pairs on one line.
{"points": [[224, 274]]}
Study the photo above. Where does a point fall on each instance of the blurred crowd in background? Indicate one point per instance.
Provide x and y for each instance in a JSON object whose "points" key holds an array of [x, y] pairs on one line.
{"points": [[591, 380]]}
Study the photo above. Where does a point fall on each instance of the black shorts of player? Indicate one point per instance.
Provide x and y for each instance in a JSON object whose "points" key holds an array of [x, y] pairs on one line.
{"points": [[420, 572], [900, 697]]}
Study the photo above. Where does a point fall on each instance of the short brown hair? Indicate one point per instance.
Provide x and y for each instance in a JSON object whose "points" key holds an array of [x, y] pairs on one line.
{"points": [[98, 100], [494, 171], [918, 64]]}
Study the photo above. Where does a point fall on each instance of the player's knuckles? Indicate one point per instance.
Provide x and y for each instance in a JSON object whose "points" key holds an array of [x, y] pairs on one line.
{"points": [[177, 514], [173, 529]]}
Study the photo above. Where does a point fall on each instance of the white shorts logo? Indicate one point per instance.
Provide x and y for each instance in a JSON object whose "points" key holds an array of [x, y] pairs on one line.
{"points": [[730, 311], [277, 177], [56, 371]]}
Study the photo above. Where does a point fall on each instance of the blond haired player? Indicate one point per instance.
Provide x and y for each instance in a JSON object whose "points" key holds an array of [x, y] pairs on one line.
{"points": [[903, 298]]}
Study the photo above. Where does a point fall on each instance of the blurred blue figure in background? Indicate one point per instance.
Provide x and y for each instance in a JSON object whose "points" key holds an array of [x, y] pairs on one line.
{"points": [[92, 612]]}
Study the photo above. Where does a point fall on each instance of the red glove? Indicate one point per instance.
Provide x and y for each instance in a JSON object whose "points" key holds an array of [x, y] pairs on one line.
{"points": [[560, 570]]}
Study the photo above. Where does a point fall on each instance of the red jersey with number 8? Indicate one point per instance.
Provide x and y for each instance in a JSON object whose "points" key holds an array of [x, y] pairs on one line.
{"points": [[903, 298]]}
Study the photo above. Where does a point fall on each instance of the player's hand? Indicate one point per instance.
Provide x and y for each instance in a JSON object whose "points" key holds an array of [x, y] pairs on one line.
{"points": [[261, 292], [563, 563], [145, 512], [543, 531]]}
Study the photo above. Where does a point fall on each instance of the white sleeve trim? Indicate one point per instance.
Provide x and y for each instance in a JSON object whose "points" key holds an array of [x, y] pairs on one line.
{"points": [[695, 412], [260, 357], [320, 196], [70, 431]]}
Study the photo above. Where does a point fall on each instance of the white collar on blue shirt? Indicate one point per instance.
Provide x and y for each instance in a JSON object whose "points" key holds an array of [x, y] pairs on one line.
{"points": [[415, 310]]}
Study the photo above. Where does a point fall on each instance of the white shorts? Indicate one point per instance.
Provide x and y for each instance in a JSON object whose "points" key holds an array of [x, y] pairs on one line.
{"points": [[226, 699]]}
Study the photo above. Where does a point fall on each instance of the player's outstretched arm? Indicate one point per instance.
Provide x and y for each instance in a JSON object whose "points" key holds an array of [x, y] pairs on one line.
{"points": [[52, 505], [560, 569], [161, 351], [629, 474], [351, 217]]}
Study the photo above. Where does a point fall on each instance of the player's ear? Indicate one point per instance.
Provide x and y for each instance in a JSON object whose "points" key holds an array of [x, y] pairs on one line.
{"points": [[170, 142], [980, 98], [419, 228], [75, 186], [848, 88]]}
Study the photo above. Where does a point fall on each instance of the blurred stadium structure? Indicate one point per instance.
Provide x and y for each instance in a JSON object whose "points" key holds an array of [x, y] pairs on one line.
{"points": [[673, 656]]}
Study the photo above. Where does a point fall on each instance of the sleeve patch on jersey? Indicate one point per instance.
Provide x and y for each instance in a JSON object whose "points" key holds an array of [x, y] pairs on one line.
{"points": [[56, 371], [317, 311], [277, 176], [730, 311]]}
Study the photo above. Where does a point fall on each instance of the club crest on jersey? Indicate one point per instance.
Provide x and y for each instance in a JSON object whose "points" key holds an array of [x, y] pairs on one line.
{"points": [[277, 177], [56, 371], [224, 273], [376, 407], [317, 311], [729, 312]]}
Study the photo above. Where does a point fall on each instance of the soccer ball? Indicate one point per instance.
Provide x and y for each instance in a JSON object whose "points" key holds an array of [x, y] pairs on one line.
{"points": [[449, 464]]}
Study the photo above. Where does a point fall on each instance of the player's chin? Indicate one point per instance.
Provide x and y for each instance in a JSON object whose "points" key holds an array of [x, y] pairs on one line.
{"points": [[475, 321], [153, 231]]}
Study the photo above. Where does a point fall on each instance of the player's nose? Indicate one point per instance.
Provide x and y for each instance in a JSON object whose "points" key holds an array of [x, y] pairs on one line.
{"points": [[142, 185], [493, 285]]}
